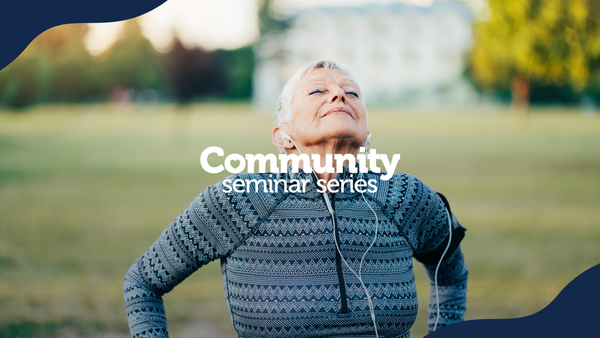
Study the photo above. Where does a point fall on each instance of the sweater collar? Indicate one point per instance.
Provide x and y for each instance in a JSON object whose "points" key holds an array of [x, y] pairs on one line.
{"points": [[344, 175]]}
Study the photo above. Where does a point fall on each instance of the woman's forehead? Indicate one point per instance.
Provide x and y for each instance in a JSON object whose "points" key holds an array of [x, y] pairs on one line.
{"points": [[327, 76]]}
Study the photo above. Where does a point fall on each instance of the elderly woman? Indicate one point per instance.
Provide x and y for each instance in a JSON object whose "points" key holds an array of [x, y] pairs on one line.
{"points": [[307, 264]]}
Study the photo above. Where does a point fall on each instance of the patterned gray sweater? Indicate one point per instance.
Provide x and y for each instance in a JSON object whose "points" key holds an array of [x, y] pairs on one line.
{"points": [[282, 274]]}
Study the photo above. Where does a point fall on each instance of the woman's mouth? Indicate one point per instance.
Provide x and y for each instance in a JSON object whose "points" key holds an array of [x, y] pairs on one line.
{"points": [[338, 110]]}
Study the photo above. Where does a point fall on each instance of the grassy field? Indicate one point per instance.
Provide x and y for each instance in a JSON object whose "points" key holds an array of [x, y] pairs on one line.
{"points": [[85, 190]]}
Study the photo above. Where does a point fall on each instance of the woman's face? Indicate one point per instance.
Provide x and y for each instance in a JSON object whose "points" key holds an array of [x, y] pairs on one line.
{"points": [[327, 105]]}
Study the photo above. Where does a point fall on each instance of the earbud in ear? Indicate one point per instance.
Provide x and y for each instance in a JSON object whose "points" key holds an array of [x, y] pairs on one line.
{"points": [[284, 135], [367, 142]]}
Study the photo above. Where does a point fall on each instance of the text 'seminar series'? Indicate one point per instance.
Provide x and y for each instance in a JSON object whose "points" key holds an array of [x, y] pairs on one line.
{"points": [[279, 163]]}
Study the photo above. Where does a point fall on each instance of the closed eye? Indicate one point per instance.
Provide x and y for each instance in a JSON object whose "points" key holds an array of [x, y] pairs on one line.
{"points": [[315, 91], [352, 93]]}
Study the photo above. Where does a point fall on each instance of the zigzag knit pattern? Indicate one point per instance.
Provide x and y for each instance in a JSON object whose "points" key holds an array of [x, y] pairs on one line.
{"points": [[282, 275]]}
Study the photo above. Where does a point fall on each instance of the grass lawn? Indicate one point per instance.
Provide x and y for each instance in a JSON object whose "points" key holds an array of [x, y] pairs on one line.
{"points": [[84, 190]]}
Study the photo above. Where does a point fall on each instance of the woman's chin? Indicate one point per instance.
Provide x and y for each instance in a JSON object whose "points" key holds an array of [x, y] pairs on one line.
{"points": [[340, 128]]}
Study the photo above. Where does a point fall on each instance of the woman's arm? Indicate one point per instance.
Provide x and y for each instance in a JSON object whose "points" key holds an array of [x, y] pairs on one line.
{"points": [[435, 231], [212, 227], [422, 217], [150, 277], [180, 250], [452, 291]]}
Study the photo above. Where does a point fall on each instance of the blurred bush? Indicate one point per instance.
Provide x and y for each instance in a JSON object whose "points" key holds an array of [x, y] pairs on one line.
{"points": [[55, 67]]}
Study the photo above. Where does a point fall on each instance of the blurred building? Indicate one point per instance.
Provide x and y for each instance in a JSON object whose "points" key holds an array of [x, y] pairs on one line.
{"points": [[401, 55]]}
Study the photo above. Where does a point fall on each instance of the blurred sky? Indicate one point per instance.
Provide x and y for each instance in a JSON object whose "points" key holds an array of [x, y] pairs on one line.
{"points": [[213, 24]]}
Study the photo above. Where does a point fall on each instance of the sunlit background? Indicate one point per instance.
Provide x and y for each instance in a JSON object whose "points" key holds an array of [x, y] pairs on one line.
{"points": [[493, 103]]}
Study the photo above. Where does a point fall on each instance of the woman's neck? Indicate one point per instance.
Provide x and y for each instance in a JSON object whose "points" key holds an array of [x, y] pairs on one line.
{"points": [[324, 149]]}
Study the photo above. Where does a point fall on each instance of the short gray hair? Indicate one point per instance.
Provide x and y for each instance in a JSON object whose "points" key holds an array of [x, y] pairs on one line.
{"points": [[283, 110]]}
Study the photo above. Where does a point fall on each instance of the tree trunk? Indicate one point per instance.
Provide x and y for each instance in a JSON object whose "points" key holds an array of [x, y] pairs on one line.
{"points": [[519, 105]]}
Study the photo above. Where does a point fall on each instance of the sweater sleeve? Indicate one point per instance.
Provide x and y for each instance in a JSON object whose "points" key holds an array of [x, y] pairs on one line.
{"points": [[433, 236], [211, 227], [421, 214], [452, 291]]}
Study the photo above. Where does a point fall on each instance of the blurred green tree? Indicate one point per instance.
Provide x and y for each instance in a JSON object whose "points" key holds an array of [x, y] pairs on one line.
{"points": [[541, 42], [54, 67], [239, 72], [268, 21], [57, 67], [194, 72], [131, 62]]}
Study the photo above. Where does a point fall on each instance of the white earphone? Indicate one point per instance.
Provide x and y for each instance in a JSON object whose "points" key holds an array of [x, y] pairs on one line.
{"points": [[286, 136]]}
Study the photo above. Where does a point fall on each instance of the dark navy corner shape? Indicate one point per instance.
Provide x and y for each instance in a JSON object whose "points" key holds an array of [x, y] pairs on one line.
{"points": [[573, 313], [23, 20]]}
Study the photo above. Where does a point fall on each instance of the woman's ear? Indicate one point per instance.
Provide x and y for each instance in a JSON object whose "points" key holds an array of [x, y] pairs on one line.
{"points": [[279, 140]]}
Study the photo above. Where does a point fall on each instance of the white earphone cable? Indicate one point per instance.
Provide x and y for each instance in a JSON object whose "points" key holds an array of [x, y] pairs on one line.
{"points": [[437, 297], [359, 275]]}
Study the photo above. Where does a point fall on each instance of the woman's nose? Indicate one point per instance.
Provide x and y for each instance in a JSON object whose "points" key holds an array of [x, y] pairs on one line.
{"points": [[337, 94]]}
